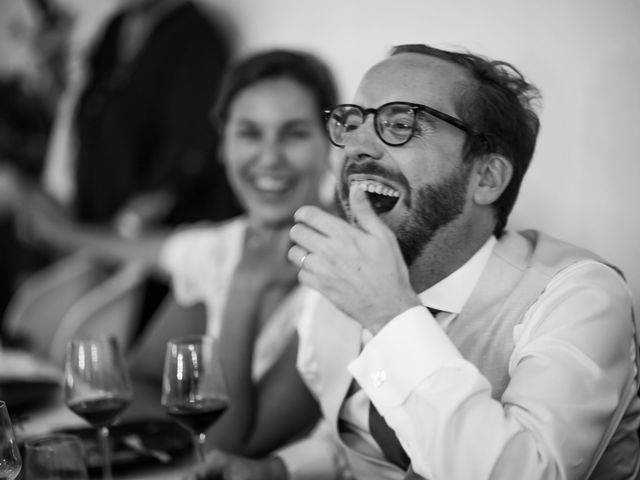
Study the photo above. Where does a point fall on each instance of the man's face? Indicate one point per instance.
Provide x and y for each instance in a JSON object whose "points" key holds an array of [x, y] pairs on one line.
{"points": [[426, 175]]}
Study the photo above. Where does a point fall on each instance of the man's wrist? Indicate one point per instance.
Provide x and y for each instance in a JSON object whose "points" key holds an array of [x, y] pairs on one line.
{"points": [[392, 313]]}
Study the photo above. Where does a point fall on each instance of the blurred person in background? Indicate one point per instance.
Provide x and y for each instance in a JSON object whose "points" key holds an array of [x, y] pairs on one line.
{"points": [[133, 151], [142, 136], [276, 156], [33, 40]]}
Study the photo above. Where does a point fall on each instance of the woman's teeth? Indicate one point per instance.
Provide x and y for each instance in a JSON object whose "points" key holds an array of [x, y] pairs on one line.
{"points": [[271, 184]]}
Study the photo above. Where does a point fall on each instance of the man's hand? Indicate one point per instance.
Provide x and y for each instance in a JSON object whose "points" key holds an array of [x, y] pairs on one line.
{"points": [[357, 267], [224, 466]]}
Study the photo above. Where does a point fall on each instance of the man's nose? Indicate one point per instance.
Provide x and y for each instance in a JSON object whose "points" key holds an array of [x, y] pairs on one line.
{"points": [[364, 142]]}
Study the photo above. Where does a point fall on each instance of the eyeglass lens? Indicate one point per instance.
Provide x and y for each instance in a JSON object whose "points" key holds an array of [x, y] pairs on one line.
{"points": [[394, 123]]}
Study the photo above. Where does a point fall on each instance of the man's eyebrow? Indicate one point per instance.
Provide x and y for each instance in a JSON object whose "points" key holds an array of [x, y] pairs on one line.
{"points": [[425, 116]]}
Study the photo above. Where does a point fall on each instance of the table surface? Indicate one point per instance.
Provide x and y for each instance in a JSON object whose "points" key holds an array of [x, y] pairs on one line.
{"points": [[146, 404], [56, 417]]}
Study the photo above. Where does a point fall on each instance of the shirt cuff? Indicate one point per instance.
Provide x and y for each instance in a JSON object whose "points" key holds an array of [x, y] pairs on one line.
{"points": [[386, 369]]}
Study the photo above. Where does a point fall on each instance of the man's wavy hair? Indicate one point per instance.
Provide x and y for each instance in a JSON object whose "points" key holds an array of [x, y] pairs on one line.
{"points": [[499, 103]]}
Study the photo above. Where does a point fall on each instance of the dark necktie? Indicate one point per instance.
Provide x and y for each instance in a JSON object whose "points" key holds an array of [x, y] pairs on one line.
{"points": [[385, 437]]}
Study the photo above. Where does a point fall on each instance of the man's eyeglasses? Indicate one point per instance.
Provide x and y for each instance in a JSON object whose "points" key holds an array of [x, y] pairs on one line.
{"points": [[395, 122]]}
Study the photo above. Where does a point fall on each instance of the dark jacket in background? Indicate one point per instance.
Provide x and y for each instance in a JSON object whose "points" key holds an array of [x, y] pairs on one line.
{"points": [[145, 126]]}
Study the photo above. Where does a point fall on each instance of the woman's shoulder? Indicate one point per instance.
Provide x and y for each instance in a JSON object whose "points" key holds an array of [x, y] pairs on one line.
{"points": [[208, 232], [201, 240]]}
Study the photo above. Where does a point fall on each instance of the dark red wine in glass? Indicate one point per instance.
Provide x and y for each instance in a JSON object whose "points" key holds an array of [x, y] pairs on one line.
{"points": [[194, 391], [97, 387], [99, 411], [197, 417]]}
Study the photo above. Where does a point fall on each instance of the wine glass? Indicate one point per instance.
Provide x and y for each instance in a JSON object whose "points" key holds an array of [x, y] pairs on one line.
{"points": [[194, 391], [54, 457], [97, 387], [10, 460]]}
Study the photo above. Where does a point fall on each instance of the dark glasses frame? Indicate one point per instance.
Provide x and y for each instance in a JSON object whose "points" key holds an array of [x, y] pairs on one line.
{"points": [[416, 107]]}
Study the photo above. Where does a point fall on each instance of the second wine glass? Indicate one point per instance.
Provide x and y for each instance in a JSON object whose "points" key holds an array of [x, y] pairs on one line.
{"points": [[194, 391], [97, 387]]}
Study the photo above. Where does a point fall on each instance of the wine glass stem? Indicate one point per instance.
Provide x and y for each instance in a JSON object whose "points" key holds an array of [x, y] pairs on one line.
{"points": [[199, 441], [103, 440]]}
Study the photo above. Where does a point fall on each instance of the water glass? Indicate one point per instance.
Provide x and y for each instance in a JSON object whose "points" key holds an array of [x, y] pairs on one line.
{"points": [[55, 457]]}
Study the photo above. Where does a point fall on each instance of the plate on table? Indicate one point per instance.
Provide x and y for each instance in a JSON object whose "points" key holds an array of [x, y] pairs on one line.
{"points": [[26, 381], [153, 434]]}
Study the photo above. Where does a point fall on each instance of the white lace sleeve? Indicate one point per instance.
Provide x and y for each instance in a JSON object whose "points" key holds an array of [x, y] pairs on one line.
{"points": [[200, 262]]}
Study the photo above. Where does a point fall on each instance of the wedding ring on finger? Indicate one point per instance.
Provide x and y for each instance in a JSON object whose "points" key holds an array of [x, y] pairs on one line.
{"points": [[302, 260]]}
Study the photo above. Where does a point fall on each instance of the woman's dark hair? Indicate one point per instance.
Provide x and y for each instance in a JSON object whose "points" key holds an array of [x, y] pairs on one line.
{"points": [[498, 102], [301, 67]]}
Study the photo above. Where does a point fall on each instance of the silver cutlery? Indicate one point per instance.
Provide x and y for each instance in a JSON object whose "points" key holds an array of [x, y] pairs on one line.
{"points": [[134, 442]]}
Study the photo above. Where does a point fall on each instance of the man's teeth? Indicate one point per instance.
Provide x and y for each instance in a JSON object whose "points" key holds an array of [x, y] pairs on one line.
{"points": [[375, 187]]}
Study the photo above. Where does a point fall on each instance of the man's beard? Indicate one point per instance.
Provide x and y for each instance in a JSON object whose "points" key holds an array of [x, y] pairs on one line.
{"points": [[433, 207]]}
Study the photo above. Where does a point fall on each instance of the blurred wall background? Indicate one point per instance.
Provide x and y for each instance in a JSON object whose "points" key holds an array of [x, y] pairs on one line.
{"points": [[584, 55]]}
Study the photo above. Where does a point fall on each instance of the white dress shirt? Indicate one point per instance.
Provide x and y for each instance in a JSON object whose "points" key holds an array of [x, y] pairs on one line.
{"points": [[564, 382]]}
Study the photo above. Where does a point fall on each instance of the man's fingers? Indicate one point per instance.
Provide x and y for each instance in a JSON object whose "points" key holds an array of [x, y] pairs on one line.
{"points": [[297, 255], [321, 221], [319, 232], [363, 211]]}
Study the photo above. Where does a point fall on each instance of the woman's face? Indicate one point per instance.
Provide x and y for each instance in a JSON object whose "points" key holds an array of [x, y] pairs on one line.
{"points": [[275, 149]]}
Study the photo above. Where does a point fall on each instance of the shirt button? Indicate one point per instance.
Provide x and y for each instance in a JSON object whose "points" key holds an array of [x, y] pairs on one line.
{"points": [[378, 378]]}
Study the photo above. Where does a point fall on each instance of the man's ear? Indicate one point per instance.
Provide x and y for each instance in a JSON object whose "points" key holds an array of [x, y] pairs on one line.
{"points": [[494, 173]]}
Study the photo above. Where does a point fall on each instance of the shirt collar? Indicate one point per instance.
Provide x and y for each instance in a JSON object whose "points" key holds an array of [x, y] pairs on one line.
{"points": [[452, 292]]}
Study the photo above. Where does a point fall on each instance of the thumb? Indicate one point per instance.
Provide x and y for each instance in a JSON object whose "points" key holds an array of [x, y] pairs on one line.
{"points": [[362, 211]]}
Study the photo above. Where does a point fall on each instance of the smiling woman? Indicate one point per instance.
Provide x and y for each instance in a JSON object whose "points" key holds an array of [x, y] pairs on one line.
{"points": [[276, 156], [274, 145], [275, 150]]}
